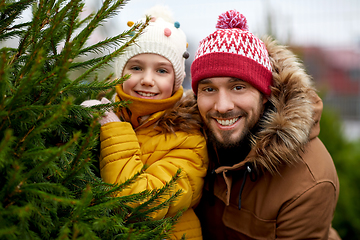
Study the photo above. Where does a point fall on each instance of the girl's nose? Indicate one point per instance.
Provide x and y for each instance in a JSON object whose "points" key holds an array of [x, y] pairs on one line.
{"points": [[147, 79]]}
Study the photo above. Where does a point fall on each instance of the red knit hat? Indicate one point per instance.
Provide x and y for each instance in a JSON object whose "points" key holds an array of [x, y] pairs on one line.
{"points": [[232, 51]]}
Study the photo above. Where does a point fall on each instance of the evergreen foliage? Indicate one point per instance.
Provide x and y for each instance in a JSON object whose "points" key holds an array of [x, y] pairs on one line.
{"points": [[50, 185], [346, 156]]}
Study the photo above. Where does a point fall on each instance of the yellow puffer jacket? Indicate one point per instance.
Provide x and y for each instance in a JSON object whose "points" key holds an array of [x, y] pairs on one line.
{"points": [[124, 152]]}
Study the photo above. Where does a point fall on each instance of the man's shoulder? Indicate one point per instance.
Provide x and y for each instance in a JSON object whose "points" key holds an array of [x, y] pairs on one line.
{"points": [[319, 161], [315, 167]]}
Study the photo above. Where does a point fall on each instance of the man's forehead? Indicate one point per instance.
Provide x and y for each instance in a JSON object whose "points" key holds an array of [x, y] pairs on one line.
{"points": [[214, 79]]}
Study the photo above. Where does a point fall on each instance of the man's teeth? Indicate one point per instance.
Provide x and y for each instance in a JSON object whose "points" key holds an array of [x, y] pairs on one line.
{"points": [[227, 122], [146, 94]]}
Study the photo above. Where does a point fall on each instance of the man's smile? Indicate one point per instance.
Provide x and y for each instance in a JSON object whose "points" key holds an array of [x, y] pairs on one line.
{"points": [[227, 122]]}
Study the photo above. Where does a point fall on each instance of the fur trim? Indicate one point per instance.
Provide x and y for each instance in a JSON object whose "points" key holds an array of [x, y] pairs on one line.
{"points": [[286, 127], [184, 116]]}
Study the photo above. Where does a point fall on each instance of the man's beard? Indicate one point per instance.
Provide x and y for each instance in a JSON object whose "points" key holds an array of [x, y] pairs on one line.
{"points": [[227, 139], [230, 153]]}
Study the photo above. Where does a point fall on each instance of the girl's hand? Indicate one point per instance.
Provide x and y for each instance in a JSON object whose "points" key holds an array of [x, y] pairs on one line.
{"points": [[109, 116]]}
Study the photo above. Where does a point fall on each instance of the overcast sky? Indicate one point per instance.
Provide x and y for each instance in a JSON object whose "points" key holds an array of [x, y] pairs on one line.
{"points": [[326, 23]]}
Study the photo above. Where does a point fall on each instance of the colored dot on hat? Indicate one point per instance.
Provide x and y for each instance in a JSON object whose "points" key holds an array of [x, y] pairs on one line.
{"points": [[186, 55], [167, 32], [176, 24]]}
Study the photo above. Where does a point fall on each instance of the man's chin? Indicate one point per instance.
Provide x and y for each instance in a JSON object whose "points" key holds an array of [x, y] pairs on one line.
{"points": [[225, 141]]}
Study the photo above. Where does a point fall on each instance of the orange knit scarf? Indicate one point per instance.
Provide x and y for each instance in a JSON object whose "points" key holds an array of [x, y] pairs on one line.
{"points": [[142, 107]]}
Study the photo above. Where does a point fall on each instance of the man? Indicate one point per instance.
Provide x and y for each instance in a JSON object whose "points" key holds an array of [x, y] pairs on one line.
{"points": [[270, 176]]}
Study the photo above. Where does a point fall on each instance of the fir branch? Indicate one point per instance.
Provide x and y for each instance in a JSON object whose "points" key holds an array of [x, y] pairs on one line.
{"points": [[89, 63], [107, 10], [75, 165], [5, 148], [35, 110], [116, 188], [74, 14], [32, 33], [10, 35], [22, 88], [44, 167], [84, 202], [19, 26], [11, 187], [108, 57], [61, 76], [96, 86], [156, 197], [46, 196], [10, 12], [3, 83], [99, 47], [53, 154], [42, 18], [50, 187], [44, 125], [9, 232]]}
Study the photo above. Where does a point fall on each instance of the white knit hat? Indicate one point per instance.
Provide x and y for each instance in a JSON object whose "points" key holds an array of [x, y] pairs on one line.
{"points": [[163, 37]]}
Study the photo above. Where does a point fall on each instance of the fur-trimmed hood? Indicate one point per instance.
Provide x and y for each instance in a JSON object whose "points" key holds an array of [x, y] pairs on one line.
{"points": [[184, 116], [295, 117]]}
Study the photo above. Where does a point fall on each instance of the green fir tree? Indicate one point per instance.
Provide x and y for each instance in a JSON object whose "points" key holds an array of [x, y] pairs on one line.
{"points": [[50, 185]]}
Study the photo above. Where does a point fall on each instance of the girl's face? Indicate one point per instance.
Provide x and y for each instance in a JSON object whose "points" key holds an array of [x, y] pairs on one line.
{"points": [[152, 77]]}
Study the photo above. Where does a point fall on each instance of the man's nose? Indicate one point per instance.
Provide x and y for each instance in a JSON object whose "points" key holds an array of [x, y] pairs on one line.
{"points": [[224, 102], [147, 78]]}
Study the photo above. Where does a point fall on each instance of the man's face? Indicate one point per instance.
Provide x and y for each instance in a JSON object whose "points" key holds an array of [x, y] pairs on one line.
{"points": [[229, 107]]}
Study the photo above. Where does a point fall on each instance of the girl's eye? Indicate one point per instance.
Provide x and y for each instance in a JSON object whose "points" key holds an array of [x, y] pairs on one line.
{"points": [[162, 70], [135, 68]]}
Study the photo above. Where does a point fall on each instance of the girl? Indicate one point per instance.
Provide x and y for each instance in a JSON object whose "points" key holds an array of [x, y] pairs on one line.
{"points": [[157, 129]]}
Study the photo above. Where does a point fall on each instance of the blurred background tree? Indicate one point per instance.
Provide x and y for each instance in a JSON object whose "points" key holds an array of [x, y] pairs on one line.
{"points": [[346, 156]]}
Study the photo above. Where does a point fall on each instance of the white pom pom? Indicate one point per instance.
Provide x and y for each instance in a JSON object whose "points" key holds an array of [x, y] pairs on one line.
{"points": [[160, 11]]}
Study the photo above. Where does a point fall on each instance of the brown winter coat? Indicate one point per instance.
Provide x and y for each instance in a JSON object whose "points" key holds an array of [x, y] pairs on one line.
{"points": [[296, 190]]}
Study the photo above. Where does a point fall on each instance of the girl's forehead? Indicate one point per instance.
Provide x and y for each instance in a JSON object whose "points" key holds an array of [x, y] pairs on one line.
{"points": [[150, 57]]}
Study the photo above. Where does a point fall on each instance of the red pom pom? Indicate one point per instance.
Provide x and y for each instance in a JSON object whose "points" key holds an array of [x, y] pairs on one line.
{"points": [[232, 19]]}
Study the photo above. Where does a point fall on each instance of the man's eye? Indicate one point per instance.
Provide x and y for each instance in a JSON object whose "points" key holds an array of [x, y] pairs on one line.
{"points": [[238, 87], [208, 89]]}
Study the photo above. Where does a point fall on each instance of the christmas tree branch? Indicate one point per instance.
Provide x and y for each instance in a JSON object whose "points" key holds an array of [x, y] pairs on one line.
{"points": [[51, 186], [44, 125], [75, 166], [10, 12], [99, 17], [108, 58]]}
